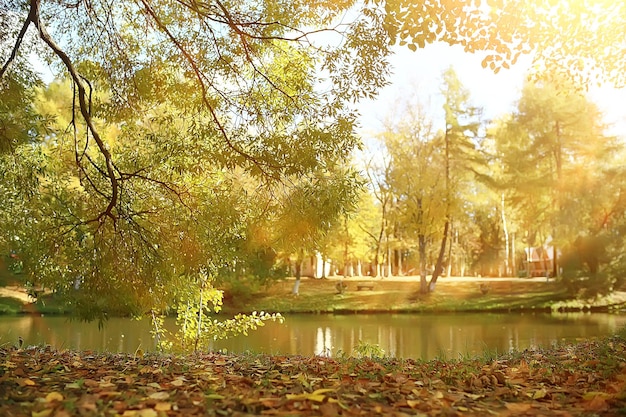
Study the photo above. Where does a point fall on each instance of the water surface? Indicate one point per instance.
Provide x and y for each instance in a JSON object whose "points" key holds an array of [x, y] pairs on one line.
{"points": [[419, 336]]}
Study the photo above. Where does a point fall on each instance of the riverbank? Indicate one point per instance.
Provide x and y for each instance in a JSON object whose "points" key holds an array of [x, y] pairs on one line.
{"points": [[401, 295], [374, 295], [584, 379]]}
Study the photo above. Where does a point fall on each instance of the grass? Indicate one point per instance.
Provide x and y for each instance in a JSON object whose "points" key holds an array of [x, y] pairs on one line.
{"points": [[320, 296], [10, 305], [387, 296]]}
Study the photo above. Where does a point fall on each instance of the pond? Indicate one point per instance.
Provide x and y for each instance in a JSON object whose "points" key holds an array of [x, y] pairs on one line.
{"points": [[418, 336]]}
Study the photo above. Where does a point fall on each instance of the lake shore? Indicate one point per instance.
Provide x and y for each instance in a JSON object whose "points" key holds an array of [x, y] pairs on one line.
{"points": [[378, 295], [583, 379], [401, 295]]}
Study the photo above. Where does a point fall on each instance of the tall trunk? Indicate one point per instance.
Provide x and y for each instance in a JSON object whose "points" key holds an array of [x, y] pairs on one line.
{"points": [[298, 271], [449, 268], [444, 239], [442, 251], [513, 257], [559, 167], [507, 253], [376, 266], [397, 253], [387, 266], [422, 253], [200, 313], [379, 243]]}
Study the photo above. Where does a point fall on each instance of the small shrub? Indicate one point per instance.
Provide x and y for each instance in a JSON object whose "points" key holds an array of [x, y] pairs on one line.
{"points": [[368, 350]]}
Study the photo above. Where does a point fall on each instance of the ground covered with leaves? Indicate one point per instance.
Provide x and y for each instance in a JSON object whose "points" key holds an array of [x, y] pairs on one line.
{"points": [[586, 379]]}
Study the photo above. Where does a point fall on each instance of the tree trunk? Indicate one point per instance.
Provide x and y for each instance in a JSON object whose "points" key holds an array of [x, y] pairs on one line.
{"points": [[507, 253], [296, 284], [439, 264], [422, 254], [449, 268]]}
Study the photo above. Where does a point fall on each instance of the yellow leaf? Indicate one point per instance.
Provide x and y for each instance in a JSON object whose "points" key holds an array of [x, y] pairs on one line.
{"points": [[539, 394], [178, 382], [54, 396], [163, 406], [161, 395], [25, 381], [312, 397], [593, 394], [154, 385], [42, 413], [517, 407], [322, 391], [317, 395], [412, 403], [146, 412]]}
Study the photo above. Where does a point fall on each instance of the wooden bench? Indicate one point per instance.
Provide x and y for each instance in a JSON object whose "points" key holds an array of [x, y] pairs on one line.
{"points": [[360, 287]]}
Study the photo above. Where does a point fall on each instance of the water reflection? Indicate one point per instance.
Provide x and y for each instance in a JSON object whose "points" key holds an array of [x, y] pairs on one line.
{"points": [[405, 335], [323, 342]]}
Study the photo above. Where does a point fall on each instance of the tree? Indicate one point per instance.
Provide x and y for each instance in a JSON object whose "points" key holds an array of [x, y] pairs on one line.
{"points": [[461, 154], [312, 209], [554, 151], [378, 175], [160, 113], [416, 177]]}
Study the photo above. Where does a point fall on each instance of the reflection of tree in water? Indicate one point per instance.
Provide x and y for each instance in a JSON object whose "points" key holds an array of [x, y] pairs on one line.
{"points": [[323, 342]]}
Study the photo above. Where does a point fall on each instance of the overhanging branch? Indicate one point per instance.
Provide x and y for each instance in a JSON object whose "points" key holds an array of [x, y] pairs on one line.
{"points": [[84, 106]]}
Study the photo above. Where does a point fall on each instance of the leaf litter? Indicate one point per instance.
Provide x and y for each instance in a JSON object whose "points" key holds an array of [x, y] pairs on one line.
{"points": [[584, 379]]}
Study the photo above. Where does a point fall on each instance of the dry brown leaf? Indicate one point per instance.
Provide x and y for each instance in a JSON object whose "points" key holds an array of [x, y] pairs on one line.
{"points": [[518, 407]]}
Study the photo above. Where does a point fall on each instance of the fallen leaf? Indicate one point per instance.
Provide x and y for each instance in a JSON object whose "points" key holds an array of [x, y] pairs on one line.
{"points": [[178, 382], [517, 407], [161, 395], [539, 394], [317, 395], [412, 403], [146, 412], [22, 382], [54, 396], [163, 406], [42, 413], [594, 394]]}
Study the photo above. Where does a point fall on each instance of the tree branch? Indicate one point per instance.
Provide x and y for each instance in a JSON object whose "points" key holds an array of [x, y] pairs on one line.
{"points": [[20, 37], [84, 106]]}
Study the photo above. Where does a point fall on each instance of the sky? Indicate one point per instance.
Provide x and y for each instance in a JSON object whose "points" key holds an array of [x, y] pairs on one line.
{"points": [[421, 72]]}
